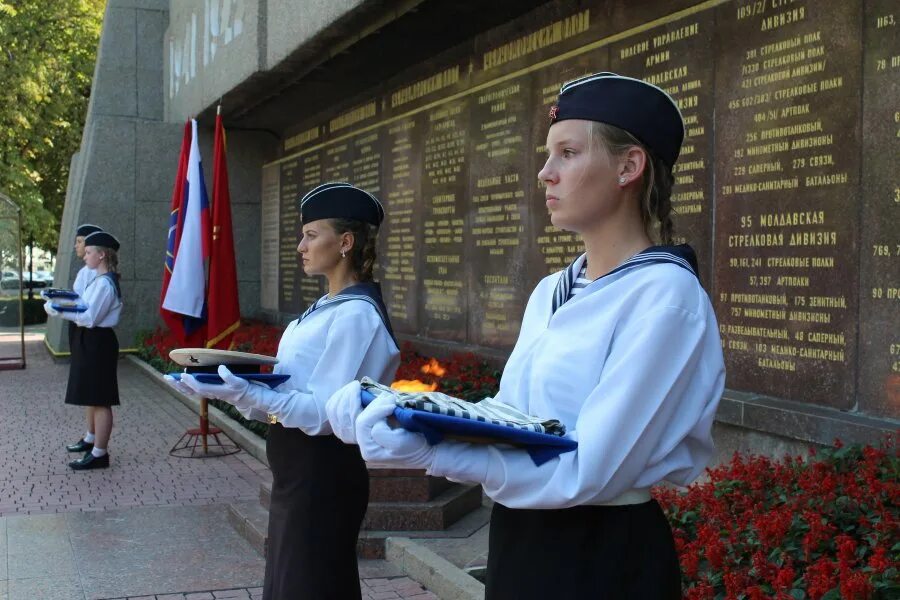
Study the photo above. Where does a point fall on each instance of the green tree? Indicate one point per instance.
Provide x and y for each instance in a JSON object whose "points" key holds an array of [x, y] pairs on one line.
{"points": [[47, 55]]}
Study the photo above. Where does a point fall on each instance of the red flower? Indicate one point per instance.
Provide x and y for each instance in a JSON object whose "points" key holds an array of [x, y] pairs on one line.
{"points": [[879, 560]]}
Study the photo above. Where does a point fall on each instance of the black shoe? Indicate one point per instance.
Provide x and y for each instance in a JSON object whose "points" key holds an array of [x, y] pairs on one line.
{"points": [[89, 461], [80, 446]]}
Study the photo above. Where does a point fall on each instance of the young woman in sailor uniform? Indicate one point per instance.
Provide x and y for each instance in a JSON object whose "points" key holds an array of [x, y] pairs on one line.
{"points": [[622, 347], [321, 487], [85, 276], [93, 381]]}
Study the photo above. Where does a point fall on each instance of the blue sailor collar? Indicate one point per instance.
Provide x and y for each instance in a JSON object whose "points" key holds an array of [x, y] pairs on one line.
{"points": [[681, 255], [113, 278], [367, 291]]}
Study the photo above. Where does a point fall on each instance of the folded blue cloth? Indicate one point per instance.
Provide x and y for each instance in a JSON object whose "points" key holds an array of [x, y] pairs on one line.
{"points": [[435, 426]]}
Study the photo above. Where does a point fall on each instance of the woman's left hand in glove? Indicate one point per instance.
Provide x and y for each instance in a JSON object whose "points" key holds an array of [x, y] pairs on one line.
{"points": [[382, 446]]}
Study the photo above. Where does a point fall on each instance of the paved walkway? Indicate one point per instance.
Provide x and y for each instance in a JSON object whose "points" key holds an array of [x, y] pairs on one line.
{"points": [[150, 526]]}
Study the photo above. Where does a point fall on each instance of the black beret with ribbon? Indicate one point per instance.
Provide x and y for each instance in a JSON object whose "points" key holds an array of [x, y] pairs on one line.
{"points": [[102, 239], [86, 229], [640, 108], [339, 200]]}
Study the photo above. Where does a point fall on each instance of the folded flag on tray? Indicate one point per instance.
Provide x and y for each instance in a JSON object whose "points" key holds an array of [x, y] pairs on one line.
{"points": [[487, 411]]}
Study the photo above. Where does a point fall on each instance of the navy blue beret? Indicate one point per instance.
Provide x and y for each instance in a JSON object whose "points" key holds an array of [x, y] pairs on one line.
{"points": [[86, 229], [638, 107], [338, 200], [102, 239]]}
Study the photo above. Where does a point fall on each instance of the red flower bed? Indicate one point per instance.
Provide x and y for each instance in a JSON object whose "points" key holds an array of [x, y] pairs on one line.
{"points": [[823, 528]]}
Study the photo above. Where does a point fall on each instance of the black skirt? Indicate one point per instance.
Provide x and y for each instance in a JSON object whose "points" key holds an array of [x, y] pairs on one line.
{"points": [[320, 491], [596, 552], [93, 380]]}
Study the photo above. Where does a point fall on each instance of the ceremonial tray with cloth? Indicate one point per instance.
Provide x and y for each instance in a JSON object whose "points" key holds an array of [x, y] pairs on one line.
{"points": [[56, 293], [437, 416], [68, 306], [272, 380]]}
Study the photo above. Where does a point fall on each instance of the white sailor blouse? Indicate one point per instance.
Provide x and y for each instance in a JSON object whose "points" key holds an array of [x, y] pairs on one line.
{"points": [[103, 300], [632, 365], [336, 341], [83, 278]]}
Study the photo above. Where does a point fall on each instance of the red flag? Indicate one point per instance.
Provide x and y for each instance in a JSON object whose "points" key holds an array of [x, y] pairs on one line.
{"points": [[175, 321], [224, 313]]}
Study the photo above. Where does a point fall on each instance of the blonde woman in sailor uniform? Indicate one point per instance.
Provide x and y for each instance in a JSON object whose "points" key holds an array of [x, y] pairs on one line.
{"points": [[622, 347], [321, 486], [85, 276], [93, 379]]}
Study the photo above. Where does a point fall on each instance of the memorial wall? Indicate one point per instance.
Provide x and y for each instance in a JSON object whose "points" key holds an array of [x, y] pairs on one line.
{"points": [[787, 185]]}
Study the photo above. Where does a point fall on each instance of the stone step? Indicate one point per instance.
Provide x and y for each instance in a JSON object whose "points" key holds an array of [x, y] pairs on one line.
{"points": [[404, 485], [436, 514], [265, 494], [251, 520], [371, 544], [389, 485]]}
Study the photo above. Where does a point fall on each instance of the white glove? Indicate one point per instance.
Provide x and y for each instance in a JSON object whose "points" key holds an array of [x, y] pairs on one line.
{"points": [[382, 446], [342, 409], [181, 387], [48, 308], [232, 390]]}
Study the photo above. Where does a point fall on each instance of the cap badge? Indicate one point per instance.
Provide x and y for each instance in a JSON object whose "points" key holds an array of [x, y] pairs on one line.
{"points": [[553, 110]]}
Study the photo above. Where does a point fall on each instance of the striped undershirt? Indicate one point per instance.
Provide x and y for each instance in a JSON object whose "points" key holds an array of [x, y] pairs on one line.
{"points": [[580, 282]]}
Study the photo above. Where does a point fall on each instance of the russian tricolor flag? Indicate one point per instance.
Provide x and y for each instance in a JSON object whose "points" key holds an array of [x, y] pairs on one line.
{"points": [[184, 281]]}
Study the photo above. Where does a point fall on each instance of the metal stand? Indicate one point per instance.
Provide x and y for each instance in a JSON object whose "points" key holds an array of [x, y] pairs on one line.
{"points": [[195, 442]]}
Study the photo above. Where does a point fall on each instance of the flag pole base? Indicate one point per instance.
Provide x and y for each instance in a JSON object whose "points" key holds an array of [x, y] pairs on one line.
{"points": [[194, 444]]}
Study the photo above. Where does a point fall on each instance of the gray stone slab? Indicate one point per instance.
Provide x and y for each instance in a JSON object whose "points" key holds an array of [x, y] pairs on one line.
{"points": [[36, 533], [226, 53], [142, 297], [46, 588], [151, 31], [109, 176], [246, 240], [145, 4], [730, 411], [378, 569], [58, 562], [118, 40], [460, 551], [4, 590], [150, 94], [247, 152], [808, 427], [436, 573], [248, 296], [730, 439], [286, 33], [114, 92], [3, 550], [163, 550], [158, 145], [149, 249]]}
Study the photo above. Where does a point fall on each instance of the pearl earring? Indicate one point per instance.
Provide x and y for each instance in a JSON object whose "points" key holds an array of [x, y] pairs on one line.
{"points": [[621, 180], [343, 254]]}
